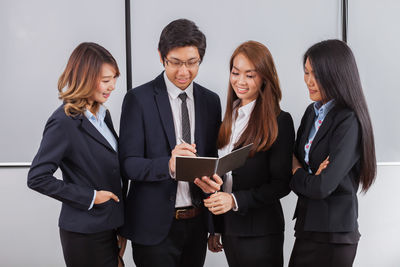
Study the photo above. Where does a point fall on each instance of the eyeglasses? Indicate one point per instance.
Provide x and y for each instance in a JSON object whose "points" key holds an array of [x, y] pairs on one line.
{"points": [[176, 64]]}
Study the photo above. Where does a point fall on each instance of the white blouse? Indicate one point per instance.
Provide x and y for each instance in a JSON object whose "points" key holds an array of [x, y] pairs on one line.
{"points": [[239, 124]]}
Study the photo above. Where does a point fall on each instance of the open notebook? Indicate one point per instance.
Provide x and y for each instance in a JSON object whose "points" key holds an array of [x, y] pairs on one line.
{"points": [[189, 168]]}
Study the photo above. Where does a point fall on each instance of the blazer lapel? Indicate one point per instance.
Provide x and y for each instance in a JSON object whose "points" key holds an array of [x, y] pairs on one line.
{"points": [[323, 129], [306, 132], [88, 127], [164, 109], [200, 112], [110, 124]]}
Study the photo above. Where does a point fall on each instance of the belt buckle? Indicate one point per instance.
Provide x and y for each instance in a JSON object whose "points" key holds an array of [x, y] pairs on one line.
{"points": [[177, 213]]}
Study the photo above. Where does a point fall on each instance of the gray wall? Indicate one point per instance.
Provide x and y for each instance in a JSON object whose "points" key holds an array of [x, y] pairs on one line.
{"points": [[29, 232]]}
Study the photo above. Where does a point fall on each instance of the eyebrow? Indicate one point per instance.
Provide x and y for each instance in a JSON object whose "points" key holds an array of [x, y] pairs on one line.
{"points": [[246, 70], [109, 76]]}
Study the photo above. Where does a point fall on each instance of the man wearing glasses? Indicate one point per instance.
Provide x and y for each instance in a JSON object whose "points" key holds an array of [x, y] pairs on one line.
{"points": [[167, 117]]}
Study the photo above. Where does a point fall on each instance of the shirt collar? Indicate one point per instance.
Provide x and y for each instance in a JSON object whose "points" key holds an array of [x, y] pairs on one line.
{"points": [[323, 109], [101, 114], [174, 91], [246, 109]]}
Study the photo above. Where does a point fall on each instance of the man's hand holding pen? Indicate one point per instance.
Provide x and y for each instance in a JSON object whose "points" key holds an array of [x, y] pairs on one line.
{"points": [[207, 184], [182, 149]]}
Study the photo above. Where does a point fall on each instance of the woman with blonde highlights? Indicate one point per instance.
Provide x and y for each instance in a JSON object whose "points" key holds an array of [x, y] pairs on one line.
{"points": [[252, 224], [79, 138]]}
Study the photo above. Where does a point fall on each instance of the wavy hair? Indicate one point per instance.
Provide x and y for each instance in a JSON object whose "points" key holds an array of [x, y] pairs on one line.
{"points": [[82, 75]]}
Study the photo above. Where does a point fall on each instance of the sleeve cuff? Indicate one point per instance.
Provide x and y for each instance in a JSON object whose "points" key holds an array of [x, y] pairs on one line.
{"points": [[94, 197], [236, 207], [172, 174]]}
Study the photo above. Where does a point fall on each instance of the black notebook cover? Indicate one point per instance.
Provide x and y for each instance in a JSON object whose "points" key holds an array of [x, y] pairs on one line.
{"points": [[189, 168]]}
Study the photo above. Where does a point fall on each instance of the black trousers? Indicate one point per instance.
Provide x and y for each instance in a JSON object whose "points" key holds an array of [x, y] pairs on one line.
{"points": [[258, 251], [308, 253], [90, 250], [185, 246]]}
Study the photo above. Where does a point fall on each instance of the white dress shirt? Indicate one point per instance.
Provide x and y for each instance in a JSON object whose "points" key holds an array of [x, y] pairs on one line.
{"points": [[183, 197], [239, 124]]}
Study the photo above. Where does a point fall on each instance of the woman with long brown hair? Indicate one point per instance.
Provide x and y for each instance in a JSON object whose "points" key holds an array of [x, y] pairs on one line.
{"points": [[79, 138], [334, 154], [253, 223]]}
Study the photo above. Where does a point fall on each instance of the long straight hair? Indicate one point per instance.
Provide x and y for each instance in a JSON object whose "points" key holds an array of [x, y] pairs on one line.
{"points": [[262, 128], [82, 75], [336, 72]]}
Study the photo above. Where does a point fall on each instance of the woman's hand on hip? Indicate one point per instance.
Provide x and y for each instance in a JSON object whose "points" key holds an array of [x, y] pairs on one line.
{"points": [[104, 196]]}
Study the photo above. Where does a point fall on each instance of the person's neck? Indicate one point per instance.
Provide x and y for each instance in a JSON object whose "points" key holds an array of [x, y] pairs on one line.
{"points": [[93, 108]]}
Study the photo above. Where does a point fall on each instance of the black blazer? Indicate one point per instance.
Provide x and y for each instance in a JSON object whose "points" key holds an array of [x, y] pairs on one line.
{"points": [[328, 202], [147, 137], [88, 163], [259, 185]]}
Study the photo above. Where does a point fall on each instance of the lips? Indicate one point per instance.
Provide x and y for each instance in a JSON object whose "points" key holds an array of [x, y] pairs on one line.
{"points": [[182, 80], [106, 95], [242, 90], [312, 91]]}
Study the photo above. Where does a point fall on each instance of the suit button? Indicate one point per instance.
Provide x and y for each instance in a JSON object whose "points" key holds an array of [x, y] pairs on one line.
{"points": [[172, 198]]}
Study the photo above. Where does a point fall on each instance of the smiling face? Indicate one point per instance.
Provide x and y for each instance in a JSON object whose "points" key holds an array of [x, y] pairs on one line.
{"points": [[245, 81], [106, 84], [181, 76], [311, 82]]}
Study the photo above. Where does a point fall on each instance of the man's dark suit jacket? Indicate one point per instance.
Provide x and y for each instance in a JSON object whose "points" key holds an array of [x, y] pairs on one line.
{"points": [[88, 163], [147, 137], [259, 185], [328, 202]]}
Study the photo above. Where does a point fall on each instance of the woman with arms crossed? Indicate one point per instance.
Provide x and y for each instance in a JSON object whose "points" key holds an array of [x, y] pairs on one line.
{"points": [[253, 222], [79, 138], [334, 153]]}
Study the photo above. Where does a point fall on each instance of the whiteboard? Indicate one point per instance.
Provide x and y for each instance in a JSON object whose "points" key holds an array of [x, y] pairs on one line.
{"points": [[287, 28], [37, 38], [374, 36]]}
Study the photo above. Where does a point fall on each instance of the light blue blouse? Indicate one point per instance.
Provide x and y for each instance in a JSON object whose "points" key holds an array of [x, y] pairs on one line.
{"points": [[321, 110]]}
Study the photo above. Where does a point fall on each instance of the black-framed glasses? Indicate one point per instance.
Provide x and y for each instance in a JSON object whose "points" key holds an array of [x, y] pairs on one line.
{"points": [[176, 63]]}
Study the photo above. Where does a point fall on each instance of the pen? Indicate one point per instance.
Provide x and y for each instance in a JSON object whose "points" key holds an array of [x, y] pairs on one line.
{"points": [[183, 141]]}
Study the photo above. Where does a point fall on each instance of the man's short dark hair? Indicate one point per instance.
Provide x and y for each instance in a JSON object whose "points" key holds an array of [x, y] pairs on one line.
{"points": [[181, 33]]}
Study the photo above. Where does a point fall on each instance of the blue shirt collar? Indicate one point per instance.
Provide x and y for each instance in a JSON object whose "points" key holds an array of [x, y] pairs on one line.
{"points": [[323, 109], [101, 114]]}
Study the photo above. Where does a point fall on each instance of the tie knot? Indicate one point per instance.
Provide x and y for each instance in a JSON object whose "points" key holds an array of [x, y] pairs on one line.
{"points": [[183, 97]]}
